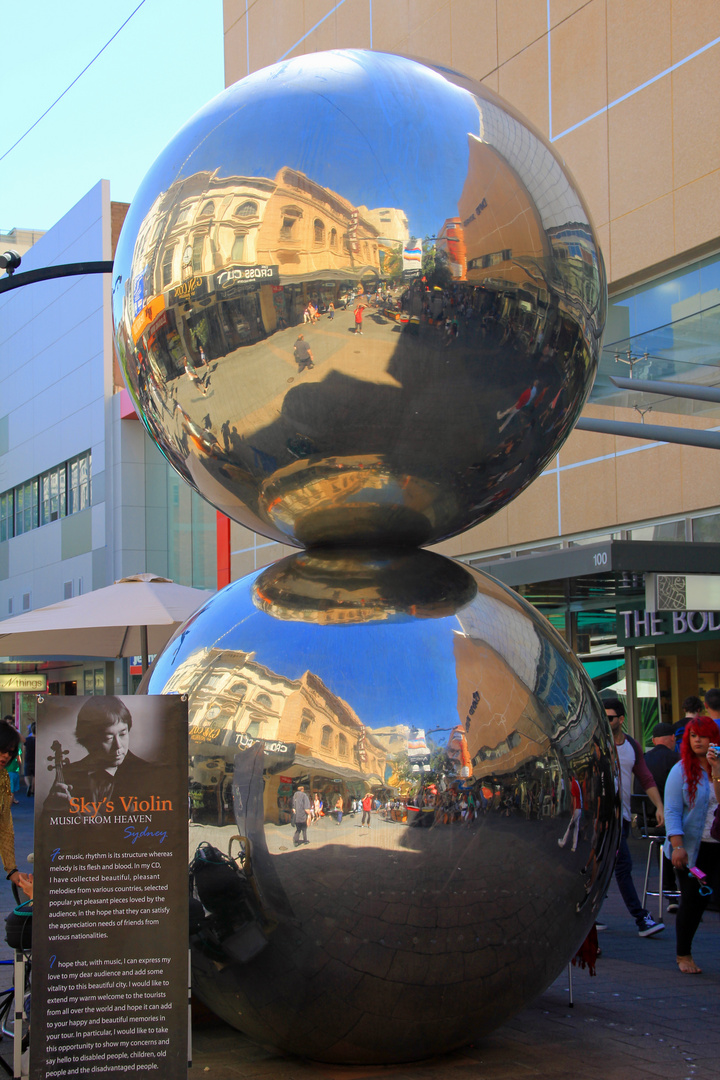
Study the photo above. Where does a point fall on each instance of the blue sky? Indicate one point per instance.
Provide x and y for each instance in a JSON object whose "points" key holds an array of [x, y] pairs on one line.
{"points": [[163, 66]]}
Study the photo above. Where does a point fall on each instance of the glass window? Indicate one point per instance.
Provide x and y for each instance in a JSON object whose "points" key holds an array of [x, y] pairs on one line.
{"points": [[706, 529], [197, 254], [264, 700], [208, 209], [167, 265], [333, 238], [253, 729], [319, 228], [246, 209], [238, 249], [666, 530], [26, 507], [289, 215], [53, 501], [6, 516], [326, 736], [79, 483], [342, 746]]}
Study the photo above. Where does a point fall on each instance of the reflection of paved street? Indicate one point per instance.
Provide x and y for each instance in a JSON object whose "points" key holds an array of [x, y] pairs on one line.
{"points": [[252, 382], [374, 925]]}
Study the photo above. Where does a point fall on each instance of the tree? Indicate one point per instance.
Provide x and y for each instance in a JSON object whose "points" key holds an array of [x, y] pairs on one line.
{"points": [[435, 265]]}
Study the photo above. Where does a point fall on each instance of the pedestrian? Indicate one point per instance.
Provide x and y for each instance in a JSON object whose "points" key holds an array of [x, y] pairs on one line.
{"points": [[331, 311], [30, 761], [366, 810], [359, 318], [300, 810], [339, 809], [303, 354], [630, 759], [692, 793], [9, 746]]}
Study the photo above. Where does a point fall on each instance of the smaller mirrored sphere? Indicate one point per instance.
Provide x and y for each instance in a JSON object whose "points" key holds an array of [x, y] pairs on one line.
{"points": [[358, 300], [394, 747]]}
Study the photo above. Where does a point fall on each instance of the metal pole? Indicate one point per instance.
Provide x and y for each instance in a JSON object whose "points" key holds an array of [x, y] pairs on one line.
{"points": [[47, 273], [668, 389], [652, 432], [144, 647]]}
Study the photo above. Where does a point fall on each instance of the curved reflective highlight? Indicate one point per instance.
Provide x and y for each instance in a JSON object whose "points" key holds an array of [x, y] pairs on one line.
{"points": [[458, 707], [337, 179]]}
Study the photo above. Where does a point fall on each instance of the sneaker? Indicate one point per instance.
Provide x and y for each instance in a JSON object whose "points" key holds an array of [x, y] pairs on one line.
{"points": [[600, 926], [647, 926], [673, 907]]}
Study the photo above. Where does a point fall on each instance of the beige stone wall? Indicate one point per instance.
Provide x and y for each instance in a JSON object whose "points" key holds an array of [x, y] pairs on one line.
{"points": [[647, 157], [629, 93]]}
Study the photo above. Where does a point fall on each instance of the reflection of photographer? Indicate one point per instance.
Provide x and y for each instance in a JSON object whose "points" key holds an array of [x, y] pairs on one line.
{"points": [[109, 768]]}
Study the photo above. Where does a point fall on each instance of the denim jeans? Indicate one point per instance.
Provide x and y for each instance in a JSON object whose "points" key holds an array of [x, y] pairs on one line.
{"points": [[623, 876]]}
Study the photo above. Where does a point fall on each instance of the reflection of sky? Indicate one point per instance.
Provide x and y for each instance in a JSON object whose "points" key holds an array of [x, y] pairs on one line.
{"points": [[385, 132], [388, 672]]}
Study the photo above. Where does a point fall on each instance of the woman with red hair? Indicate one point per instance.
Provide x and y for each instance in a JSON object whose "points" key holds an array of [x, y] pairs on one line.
{"points": [[692, 792]]}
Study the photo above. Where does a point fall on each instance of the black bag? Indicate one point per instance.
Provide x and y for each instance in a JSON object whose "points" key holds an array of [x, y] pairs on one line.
{"points": [[235, 923], [18, 927]]}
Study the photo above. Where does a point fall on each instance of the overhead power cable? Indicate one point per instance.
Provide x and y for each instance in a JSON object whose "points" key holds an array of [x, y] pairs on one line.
{"points": [[67, 88]]}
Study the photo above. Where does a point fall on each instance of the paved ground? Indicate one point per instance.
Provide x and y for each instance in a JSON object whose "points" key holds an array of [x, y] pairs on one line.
{"points": [[639, 1018]]}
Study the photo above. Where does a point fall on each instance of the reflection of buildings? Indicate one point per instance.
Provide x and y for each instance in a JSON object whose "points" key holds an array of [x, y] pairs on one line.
{"points": [[451, 241], [210, 238], [309, 734]]}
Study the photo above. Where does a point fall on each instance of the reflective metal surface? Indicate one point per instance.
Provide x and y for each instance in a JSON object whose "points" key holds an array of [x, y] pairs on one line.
{"points": [[302, 185], [458, 707]]}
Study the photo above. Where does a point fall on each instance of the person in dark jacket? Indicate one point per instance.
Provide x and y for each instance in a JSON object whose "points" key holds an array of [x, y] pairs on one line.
{"points": [[301, 809], [631, 762]]}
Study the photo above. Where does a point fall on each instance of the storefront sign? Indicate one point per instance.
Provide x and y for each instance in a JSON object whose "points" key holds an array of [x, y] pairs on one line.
{"points": [[276, 752], [640, 627], [191, 289], [30, 684], [228, 281], [147, 315], [110, 915]]}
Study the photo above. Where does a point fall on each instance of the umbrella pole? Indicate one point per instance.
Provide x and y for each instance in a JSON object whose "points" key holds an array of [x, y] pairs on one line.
{"points": [[144, 648]]}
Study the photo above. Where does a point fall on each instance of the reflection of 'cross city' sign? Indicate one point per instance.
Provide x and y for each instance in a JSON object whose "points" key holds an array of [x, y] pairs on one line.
{"points": [[244, 275]]}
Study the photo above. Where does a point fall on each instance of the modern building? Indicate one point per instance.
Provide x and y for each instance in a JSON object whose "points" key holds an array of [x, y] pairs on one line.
{"points": [[85, 496], [627, 93]]}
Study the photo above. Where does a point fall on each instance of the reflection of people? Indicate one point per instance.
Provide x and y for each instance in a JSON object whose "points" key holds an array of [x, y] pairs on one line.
{"points": [[359, 318], [631, 760], [109, 768], [366, 809], [692, 793], [9, 744], [339, 809], [301, 809], [577, 806]]}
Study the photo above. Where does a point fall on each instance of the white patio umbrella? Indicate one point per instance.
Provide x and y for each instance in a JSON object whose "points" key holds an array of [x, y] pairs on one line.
{"points": [[134, 617]]}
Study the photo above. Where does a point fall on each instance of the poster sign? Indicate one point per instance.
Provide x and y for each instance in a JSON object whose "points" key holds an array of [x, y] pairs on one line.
{"points": [[110, 915]]}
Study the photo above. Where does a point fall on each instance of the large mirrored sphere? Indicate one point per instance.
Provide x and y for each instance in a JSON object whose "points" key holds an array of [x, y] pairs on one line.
{"points": [[458, 714], [358, 300]]}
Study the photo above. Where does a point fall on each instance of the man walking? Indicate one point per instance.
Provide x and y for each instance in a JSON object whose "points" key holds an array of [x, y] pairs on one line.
{"points": [[301, 809], [631, 761], [367, 810], [303, 355]]}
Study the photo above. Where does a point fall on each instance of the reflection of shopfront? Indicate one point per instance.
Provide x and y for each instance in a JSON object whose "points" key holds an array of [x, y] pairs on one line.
{"points": [[594, 595]]}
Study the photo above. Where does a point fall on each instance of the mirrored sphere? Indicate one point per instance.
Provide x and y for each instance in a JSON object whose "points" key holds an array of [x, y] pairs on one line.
{"points": [[358, 300], [458, 714]]}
